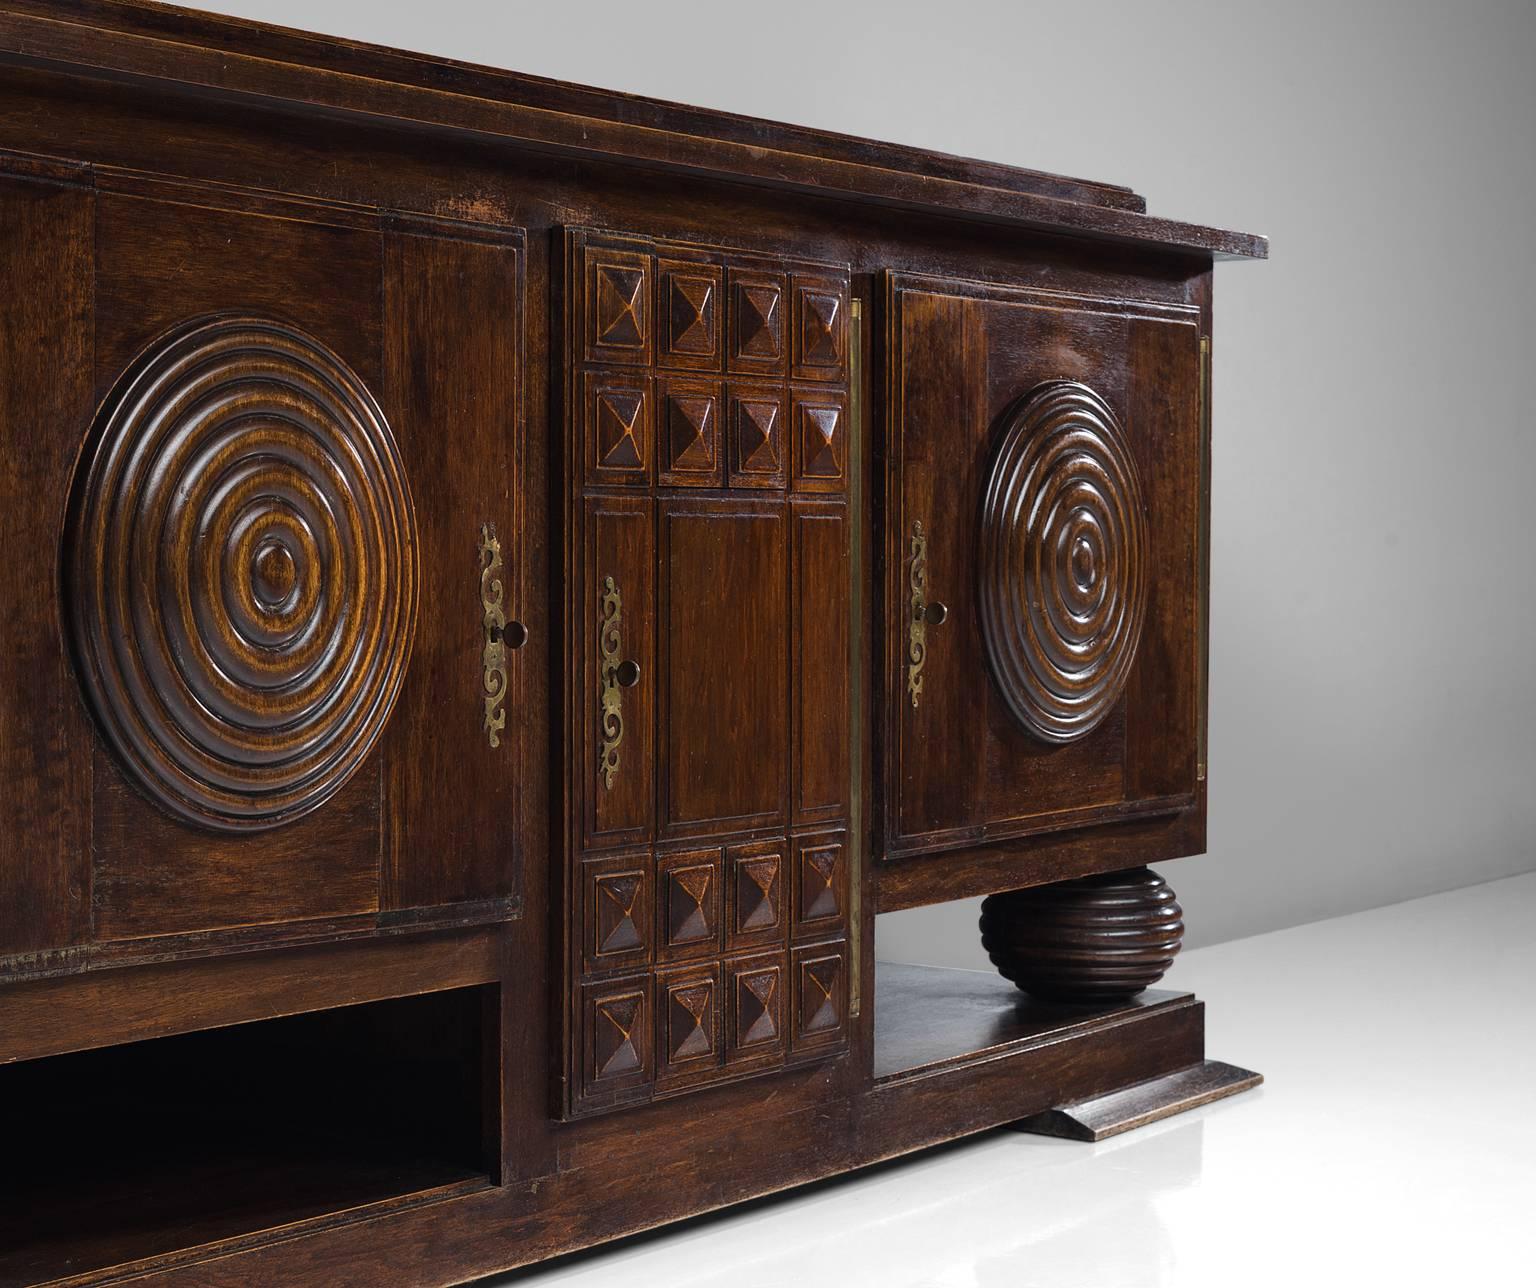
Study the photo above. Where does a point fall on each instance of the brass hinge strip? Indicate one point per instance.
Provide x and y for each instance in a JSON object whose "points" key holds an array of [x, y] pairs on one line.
{"points": [[855, 656], [1203, 567]]}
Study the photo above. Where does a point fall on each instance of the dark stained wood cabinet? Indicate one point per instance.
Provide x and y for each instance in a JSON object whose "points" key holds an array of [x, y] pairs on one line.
{"points": [[506, 583]]}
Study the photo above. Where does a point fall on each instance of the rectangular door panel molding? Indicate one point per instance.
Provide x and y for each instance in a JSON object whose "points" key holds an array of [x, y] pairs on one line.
{"points": [[619, 672], [819, 661], [454, 339], [45, 406], [724, 644]]}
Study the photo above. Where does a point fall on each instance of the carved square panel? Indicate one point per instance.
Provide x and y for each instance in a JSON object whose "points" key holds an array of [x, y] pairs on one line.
{"points": [[690, 311], [618, 306], [756, 894], [819, 996], [759, 328], [757, 434], [819, 322], [690, 434], [820, 430], [687, 1022], [820, 884], [616, 1038], [616, 912], [689, 905], [618, 427], [756, 1009]]}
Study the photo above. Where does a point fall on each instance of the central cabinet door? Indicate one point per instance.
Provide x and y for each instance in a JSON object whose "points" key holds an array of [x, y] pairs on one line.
{"points": [[707, 886]]}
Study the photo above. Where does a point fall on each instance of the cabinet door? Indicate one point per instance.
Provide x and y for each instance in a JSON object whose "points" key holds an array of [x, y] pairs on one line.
{"points": [[290, 532], [706, 405], [1042, 591]]}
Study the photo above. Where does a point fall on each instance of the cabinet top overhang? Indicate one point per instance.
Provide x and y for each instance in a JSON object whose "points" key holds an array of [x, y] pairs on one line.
{"points": [[190, 52]]}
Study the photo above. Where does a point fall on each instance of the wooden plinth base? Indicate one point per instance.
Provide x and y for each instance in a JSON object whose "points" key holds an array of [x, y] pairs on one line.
{"points": [[948, 1053], [1145, 1102]]}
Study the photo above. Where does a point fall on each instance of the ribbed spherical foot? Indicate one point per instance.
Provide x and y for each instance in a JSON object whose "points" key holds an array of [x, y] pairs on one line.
{"points": [[1093, 940]]}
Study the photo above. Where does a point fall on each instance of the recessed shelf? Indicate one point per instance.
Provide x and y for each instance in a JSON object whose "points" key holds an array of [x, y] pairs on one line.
{"points": [[130, 1152], [929, 1018]]}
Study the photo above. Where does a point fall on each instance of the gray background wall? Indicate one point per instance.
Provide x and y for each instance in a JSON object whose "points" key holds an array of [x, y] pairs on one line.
{"points": [[1373, 729]]}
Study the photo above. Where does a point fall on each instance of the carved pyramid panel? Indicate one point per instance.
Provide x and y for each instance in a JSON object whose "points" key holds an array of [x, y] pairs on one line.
{"points": [[757, 321], [820, 327], [756, 875], [820, 999], [819, 884], [690, 904], [690, 315], [618, 307], [755, 1026], [618, 429], [820, 433], [690, 433], [617, 919], [616, 1039], [757, 434], [688, 1032]]}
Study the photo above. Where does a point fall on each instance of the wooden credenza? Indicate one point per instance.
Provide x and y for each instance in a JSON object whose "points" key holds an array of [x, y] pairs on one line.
{"points": [[506, 582]]}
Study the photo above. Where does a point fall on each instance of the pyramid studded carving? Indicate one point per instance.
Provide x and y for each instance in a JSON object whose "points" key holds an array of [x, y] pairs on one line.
{"points": [[690, 1021], [708, 952], [821, 441], [620, 307], [617, 898], [691, 434], [690, 905], [621, 429], [757, 1007], [757, 894], [820, 982], [759, 324], [818, 883], [757, 435], [820, 329], [691, 314], [615, 1037]]}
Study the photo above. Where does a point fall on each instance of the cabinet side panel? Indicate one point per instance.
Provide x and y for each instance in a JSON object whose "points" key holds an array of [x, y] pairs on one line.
{"points": [[45, 406], [452, 383]]}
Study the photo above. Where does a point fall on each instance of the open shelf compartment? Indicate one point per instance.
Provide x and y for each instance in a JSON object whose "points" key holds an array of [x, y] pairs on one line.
{"points": [[130, 1152]]}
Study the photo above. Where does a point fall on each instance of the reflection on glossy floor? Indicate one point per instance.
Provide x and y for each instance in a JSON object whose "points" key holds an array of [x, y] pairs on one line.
{"points": [[1394, 1142]]}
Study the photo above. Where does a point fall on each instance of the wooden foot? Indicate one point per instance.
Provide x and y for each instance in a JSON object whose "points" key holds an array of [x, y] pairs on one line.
{"points": [[1142, 1103], [1094, 940]]}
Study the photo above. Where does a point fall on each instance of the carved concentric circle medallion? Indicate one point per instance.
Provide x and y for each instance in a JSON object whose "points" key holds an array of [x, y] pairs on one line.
{"points": [[1062, 561], [242, 560]]}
